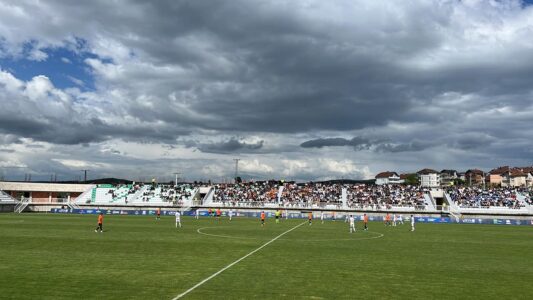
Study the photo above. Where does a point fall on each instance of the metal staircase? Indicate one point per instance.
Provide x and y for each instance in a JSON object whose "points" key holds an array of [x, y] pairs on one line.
{"points": [[21, 206], [453, 209], [208, 199], [430, 201], [73, 205]]}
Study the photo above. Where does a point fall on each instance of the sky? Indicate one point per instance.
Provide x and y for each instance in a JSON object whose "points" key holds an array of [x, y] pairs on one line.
{"points": [[297, 90]]}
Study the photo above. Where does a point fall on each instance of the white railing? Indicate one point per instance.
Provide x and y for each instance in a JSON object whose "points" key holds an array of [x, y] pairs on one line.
{"points": [[430, 201], [280, 192], [453, 208], [22, 205], [209, 196]]}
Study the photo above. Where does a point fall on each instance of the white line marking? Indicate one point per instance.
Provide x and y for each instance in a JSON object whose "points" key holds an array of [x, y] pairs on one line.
{"points": [[235, 262], [199, 230], [357, 238]]}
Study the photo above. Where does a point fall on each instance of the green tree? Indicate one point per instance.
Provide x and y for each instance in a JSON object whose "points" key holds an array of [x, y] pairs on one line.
{"points": [[412, 179]]}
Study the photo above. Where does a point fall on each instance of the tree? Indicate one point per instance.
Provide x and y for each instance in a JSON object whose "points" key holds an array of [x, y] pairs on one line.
{"points": [[412, 179]]}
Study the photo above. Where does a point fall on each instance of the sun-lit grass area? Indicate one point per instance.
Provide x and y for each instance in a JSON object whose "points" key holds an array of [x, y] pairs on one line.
{"points": [[45, 256]]}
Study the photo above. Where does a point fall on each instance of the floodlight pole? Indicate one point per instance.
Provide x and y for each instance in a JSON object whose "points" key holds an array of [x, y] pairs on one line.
{"points": [[236, 168], [176, 182], [85, 175]]}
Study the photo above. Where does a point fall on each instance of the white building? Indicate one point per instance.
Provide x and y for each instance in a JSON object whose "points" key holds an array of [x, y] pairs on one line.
{"points": [[514, 178], [388, 178], [429, 178]]}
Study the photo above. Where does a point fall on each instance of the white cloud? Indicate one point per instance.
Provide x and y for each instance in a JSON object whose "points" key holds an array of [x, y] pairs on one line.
{"points": [[255, 166]]}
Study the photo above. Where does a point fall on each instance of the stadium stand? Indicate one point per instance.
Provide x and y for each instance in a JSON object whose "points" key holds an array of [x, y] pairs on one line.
{"points": [[371, 197], [246, 194], [139, 194], [472, 197], [528, 198], [322, 195], [6, 199], [312, 195], [274, 194]]}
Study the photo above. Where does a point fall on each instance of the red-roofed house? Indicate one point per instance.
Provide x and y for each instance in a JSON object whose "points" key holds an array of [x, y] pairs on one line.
{"points": [[515, 177], [474, 177], [495, 175], [388, 177]]}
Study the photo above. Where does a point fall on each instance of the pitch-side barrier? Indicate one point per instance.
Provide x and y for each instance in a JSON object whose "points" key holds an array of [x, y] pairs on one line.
{"points": [[304, 214]]}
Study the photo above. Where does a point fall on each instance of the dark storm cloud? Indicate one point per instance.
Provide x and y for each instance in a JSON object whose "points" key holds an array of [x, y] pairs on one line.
{"points": [[358, 143], [70, 132], [271, 71], [233, 145], [275, 69], [472, 141], [413, 146]]}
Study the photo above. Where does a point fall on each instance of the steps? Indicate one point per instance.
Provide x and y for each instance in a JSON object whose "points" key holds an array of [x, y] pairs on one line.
{"points": [[453, 209], [7, 199], [208, 199], [21, 206], [430, 202]]}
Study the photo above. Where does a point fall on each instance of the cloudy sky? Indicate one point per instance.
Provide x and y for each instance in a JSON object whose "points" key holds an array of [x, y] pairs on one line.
{"points": [[303, 90]]}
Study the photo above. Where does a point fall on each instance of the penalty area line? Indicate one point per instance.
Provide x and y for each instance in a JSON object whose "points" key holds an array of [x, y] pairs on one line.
{"points": [[235, 262]]}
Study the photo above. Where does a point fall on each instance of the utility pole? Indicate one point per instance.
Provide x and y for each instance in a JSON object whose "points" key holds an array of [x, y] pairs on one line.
{"points": [[85, 175], [236, 168], [177, 173]]}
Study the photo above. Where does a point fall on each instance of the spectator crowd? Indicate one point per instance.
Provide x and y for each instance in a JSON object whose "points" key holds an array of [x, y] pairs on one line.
{"points": [[474, 197], [361, 196]]}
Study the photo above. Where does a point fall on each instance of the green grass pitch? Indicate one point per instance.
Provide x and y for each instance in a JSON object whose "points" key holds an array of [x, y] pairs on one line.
{"points": [[61, 257]]}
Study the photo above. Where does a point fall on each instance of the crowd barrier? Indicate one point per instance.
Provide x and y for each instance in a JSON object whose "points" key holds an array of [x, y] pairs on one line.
{"points": [[300, 215]]}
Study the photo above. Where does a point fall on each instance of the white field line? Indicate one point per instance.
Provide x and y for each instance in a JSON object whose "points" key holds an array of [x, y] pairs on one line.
{"points": [[235, 262], [379, 235]]}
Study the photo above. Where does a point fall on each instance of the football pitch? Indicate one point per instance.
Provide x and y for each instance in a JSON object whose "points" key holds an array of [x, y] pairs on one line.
{"points": [[47, 256]]}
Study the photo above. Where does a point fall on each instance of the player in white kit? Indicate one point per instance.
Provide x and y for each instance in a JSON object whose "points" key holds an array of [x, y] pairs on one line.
{"points": [[412, 223], [197, 214], [230, 214], [394, 219], [400, 219], [178, 219], [351, 220], [322, 217]]}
